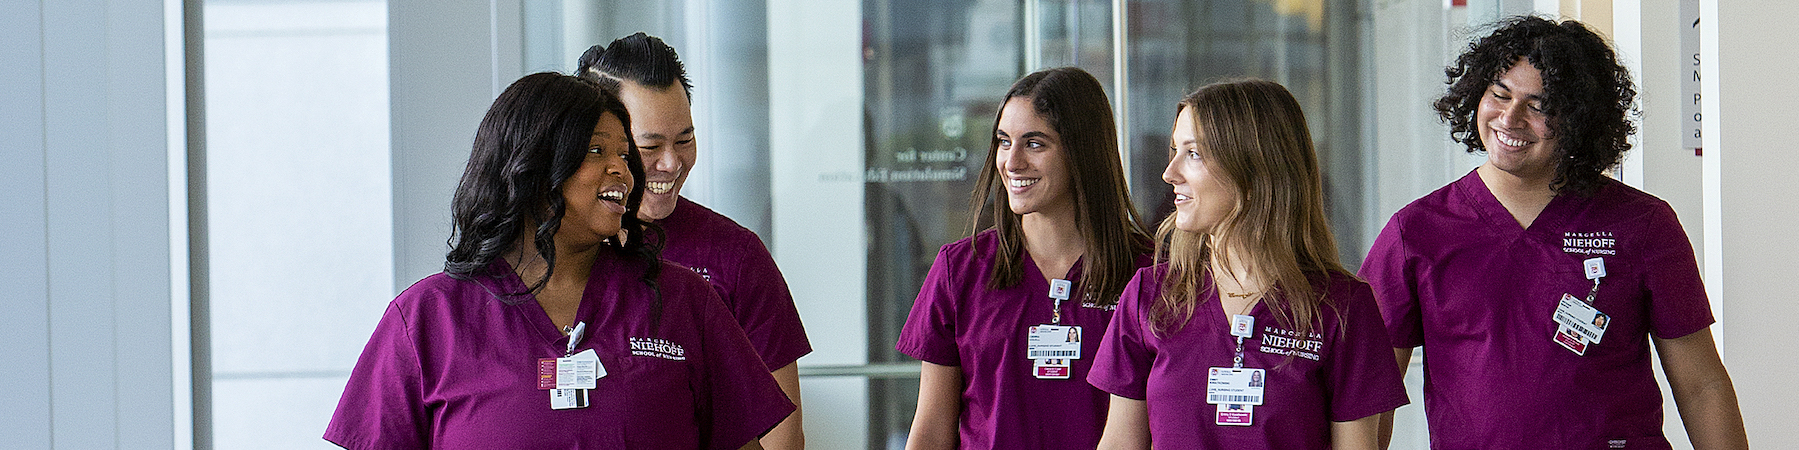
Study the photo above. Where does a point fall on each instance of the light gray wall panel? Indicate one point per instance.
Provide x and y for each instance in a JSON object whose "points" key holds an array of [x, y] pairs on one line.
{"points": [[24, 310]]}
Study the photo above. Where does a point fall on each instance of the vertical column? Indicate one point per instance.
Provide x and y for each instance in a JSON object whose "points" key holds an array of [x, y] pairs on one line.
{"points": [[728, 60], [447, 63], [816, 146], [24, 305], [88, 358], [1745, 75]]}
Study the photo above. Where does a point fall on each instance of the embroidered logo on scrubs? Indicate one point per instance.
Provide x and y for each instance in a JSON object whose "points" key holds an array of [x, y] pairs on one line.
{"points": [[707, 274], [1277, 341], [659, 348], [1592, 243]]}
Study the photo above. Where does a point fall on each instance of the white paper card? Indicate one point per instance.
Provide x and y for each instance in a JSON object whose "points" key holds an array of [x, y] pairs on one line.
{"points": [[1233, 385], [1053, 341], [579, 371]]}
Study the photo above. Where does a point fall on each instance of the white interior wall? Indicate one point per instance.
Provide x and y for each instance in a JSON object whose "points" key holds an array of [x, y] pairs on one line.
{"points": [[299, 228], [447, 63], [87, 312], [816, 151], [1747, 86]]}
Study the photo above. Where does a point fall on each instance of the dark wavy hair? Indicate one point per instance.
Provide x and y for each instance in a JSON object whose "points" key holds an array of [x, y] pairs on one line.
{"points": [[531, 141], [640, 58], [1074, 104], [1587, 94]]}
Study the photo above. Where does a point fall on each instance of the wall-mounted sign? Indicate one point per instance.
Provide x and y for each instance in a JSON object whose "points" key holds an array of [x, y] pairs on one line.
{"points": [[1690, 114]]}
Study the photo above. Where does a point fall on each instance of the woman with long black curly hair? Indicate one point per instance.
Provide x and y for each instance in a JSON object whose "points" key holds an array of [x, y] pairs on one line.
{"points": [[554, 324]]}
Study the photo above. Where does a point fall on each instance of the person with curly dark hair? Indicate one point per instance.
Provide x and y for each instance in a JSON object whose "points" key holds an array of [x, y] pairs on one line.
{"points": [[1500, 275], [555, 324]]}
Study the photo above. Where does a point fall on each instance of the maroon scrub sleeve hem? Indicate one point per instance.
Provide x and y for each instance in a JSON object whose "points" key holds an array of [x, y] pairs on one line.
{"points": [[918, 352], [1678, 333], [1120, 389], [341, 440], [786, 358], [1389, 405]]}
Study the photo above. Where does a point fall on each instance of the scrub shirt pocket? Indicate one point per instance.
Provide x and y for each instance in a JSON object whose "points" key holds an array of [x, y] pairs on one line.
{"points": [[662, 403]]}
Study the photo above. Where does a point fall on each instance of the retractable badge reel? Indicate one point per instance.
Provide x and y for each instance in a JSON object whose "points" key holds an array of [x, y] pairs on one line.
{"points": [[568, 378], [1579, 323], [1236, 390], [1053, 347]]}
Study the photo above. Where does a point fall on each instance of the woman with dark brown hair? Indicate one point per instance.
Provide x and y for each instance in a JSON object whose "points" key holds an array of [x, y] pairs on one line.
{"points": [[999, 320]]}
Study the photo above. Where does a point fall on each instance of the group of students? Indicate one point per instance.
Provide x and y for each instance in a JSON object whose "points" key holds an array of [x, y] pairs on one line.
{"points": [[586, 304]]}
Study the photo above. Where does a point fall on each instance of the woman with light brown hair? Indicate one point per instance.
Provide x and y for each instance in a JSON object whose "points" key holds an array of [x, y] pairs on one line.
{"points": [[1248, 322]]}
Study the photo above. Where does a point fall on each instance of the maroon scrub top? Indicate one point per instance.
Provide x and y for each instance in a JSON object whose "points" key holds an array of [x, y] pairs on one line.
{"points": [[1455, 273], [451, 365]]}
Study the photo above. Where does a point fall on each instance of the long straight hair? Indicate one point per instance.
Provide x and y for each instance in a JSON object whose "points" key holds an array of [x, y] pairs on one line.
{"points": [[1075, 106], [1253, 132]]}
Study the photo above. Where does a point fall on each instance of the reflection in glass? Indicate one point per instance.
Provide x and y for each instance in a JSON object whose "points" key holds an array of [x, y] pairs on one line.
{"points": [[1310, 46], [935, 73]]}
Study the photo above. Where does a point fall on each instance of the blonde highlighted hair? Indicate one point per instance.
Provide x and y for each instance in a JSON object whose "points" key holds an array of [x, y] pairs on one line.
{"points": [[1253, 134]]}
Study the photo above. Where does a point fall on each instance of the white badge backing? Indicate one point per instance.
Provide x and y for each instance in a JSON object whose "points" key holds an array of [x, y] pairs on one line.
{"points": [[580, 371], [1235, 385], [1053, 341], [1052, 368], [1236, 414], [568, 398]]}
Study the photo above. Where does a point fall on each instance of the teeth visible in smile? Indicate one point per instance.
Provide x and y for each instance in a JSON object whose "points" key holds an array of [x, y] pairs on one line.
{"points": [[1181, 197], [1021, 182], [659, 187], [1508, 140], [613, 196]]}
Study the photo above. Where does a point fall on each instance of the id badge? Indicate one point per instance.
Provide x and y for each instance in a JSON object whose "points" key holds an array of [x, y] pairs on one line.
{"points": [[1225, 385], [1053, 341], [1579, 317], [568, 398], [579, 371], [1571, 340], [1236, 414], [1052, 368]]}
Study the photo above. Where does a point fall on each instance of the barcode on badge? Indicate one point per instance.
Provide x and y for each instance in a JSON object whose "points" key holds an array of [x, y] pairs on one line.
{"points": [[1039, 354], [1224, 398]]}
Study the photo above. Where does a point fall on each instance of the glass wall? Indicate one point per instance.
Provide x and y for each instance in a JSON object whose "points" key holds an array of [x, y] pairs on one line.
{"points": [[932, 74], [1311, 47], [859, 160]]}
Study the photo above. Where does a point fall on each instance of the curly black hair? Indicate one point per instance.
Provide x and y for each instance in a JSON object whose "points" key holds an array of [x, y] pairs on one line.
{"points": [[531, 141], [1588, 96]]}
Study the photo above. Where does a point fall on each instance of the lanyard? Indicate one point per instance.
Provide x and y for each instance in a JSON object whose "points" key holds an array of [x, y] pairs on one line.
{"points": [[1058, 291], [1242, 326], [1595, 270]]}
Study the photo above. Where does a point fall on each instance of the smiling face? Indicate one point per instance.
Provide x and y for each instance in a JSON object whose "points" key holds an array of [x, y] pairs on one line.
{"points": [[1202, 195], [1030, 162], [595, 195], [1513, 126], [662, 122]]}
